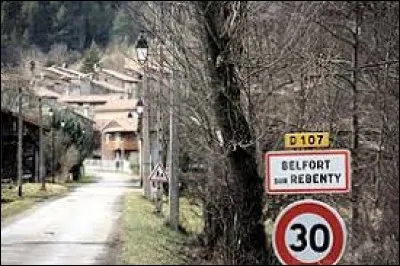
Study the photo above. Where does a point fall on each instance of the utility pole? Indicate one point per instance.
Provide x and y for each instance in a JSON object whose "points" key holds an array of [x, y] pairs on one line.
{"points": [[52, 148], [146, 164], [159, 123], [19, 152], [173, 151], [356, 229], [41, 154], [161, 77]]}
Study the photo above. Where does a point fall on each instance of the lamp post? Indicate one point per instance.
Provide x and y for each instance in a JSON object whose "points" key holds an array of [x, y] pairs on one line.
{"points": [[139, 112], [20, 142], [51, 114], [142, 53], [142, 48], [41, 151]]}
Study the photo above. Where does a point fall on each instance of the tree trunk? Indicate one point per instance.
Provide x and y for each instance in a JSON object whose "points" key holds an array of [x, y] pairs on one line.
{"points": [[243, 231]]}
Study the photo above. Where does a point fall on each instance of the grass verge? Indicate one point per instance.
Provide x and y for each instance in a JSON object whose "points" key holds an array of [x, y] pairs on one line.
{"points": [[190, 215], [145, 239], [11, 204], [85, 179]]}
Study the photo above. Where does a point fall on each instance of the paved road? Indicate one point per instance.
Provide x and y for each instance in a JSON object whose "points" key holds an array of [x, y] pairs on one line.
{"points": [[75, 229]]}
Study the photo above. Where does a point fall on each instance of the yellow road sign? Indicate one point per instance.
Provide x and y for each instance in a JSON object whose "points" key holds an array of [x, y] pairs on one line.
{"points": [[307, 140]]}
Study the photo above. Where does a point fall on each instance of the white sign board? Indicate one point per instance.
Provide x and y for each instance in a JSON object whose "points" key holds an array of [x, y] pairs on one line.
{"points": [[317, 171]]}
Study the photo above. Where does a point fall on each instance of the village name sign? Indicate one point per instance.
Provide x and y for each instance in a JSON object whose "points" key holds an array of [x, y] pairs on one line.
{"points": [[308, 232]]}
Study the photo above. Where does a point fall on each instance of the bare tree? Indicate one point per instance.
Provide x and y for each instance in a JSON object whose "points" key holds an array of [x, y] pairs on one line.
{"points": [[252, 71]]}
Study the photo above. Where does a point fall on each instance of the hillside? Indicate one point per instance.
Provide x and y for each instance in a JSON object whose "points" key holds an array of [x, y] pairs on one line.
{"points": [[73, 25]]}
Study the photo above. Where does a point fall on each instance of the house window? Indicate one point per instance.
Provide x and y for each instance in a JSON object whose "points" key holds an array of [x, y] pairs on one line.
{"points": [[118, 136], [110, 137]]}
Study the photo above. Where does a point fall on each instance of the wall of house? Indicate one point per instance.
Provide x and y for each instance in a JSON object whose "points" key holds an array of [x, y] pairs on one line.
{"points": [[132, 89], [112, 80], [9, 138], [96, 89], [112, 142], [100, 115]]}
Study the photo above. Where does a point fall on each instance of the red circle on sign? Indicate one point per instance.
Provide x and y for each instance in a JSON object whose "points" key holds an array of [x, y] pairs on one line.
{"points": [[316, 208]]}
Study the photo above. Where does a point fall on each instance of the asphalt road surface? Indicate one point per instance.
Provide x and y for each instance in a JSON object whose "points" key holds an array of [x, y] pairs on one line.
{"points": [[75, 229]]}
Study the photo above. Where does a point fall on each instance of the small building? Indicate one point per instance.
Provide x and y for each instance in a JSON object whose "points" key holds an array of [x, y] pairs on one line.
{"points": [[128, 83], [47, 94], [9, 145], [118, 128], [119, 140], [88, 102]]}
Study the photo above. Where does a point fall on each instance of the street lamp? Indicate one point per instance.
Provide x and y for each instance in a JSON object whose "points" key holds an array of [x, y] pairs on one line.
{"points": [[138, 111], [51, 114], [142, 53], [140, 106], [142, 48]]}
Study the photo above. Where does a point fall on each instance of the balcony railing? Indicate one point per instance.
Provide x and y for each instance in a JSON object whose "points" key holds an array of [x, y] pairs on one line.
{"points": [[119, 144]]}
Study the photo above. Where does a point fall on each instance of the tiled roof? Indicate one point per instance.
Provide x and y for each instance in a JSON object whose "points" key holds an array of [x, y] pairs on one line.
{"points": [[108, 86], [121, 125], [119, 75], [117, 104], [59, 72], [29, 119], [90, 98], [71, 71], [80, 112], [46, 93], [133, 65], [100, 123]]}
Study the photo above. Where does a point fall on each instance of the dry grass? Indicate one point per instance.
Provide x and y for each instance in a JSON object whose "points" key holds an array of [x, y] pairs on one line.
{"points": [[145, 237], [12, 204]]}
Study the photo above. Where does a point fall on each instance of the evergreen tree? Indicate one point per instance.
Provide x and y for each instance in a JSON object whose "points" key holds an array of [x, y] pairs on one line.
{"points": [[124, 27], [74, 23], [91, 58]]}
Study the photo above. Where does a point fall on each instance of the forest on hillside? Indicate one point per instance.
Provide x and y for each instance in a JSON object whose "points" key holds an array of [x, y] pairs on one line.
{"points": [[76, 24]]}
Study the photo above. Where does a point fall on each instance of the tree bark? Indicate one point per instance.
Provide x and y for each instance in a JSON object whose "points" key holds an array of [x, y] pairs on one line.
{"points": [[242, 226]]}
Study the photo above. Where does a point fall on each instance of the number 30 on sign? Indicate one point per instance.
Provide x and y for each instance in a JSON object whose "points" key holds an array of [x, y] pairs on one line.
{"points": [[309, 232]]}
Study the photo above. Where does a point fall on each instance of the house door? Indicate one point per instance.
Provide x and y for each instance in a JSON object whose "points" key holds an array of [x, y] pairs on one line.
{"points": [[118, 154]]}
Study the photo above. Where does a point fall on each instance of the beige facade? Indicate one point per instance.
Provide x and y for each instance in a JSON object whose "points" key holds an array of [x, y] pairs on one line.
{"points": [[118, 126], [108, 97], [127, 83]]}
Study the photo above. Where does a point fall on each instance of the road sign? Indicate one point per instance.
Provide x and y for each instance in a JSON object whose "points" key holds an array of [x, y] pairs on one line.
{"points": [[316, 171], [307, 140], [309, 232], [158, 174]]}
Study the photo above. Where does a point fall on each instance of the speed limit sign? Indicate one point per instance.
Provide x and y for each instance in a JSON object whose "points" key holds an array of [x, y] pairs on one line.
{"points": [[309, 232]]}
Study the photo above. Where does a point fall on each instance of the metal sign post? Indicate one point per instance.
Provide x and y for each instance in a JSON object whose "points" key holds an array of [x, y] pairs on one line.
{"points": [[308, 232], [159, 176]]}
